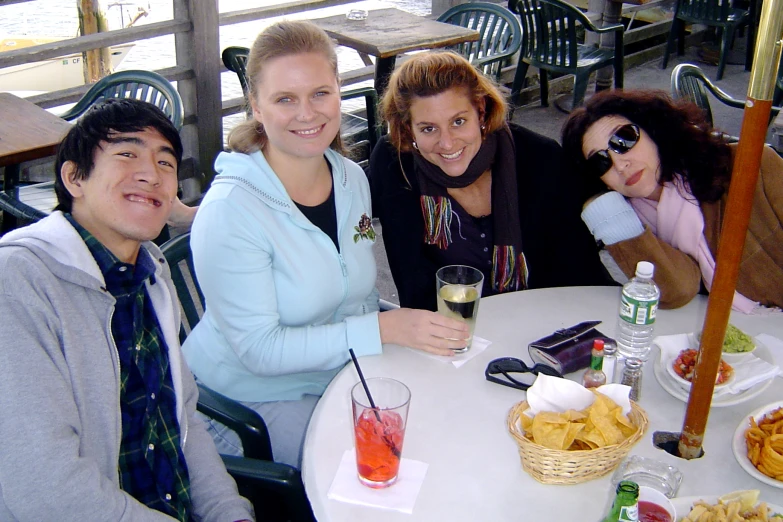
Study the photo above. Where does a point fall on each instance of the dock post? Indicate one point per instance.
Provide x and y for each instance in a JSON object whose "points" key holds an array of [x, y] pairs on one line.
{"points": [[199, 49]]}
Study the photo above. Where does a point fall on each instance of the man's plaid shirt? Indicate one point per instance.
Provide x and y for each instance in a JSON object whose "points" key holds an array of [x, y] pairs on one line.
{"points": [[152, 467]]}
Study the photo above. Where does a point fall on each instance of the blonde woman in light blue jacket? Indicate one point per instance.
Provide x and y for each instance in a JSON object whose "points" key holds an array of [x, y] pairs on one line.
{"points": [[282, 246]]}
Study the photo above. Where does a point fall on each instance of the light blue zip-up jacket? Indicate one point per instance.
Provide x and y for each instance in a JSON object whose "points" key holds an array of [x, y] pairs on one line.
{"points": [[282, 304]]}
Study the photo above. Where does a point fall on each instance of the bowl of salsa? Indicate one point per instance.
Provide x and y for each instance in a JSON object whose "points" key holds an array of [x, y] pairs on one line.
{"points": [[683, 367], [654, 506]]}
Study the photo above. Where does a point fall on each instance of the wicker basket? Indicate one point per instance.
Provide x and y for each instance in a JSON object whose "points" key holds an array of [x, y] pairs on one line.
{"points": [[551, 466]]}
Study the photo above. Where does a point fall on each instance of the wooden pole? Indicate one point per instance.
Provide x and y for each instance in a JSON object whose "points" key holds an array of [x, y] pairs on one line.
{"points": [[732, 239], [92, 19]]}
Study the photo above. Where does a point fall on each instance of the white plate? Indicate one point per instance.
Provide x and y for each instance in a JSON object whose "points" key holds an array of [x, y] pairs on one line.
{"points": [[683, 505], [674, 389], [740, 449]]}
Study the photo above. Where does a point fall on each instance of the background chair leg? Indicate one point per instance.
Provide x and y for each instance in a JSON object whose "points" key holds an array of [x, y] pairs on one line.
{"points": [[544, 80], [680, 38], [669, 44], [725, 42], [519, 81], [580, 88]]}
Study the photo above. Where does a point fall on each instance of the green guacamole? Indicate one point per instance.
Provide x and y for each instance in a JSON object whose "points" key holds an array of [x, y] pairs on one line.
{"points": [[736, 341]]}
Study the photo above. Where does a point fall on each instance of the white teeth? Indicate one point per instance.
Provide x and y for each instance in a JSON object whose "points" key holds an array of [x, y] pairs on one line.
{"points": [[139, 199], [308, 132], [453, 156]]}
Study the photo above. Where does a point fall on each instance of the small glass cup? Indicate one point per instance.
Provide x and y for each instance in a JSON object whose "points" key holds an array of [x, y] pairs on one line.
{"points": [[458, 293], [379, 432], [357, 14], [649, 472]]}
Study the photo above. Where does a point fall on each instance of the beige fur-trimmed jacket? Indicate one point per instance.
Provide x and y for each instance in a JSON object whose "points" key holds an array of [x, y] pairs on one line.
{"points": [[761, 267]]}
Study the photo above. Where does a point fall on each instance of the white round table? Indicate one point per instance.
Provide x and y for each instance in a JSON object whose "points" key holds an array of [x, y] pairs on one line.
{"points": [[457, 420]]}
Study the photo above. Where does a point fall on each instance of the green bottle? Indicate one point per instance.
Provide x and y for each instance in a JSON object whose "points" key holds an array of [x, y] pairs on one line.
{"points": [[626, 504]]}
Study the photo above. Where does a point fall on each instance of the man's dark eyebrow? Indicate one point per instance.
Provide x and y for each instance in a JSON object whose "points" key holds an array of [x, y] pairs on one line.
{"points": [[124, 139], [138, 141]]}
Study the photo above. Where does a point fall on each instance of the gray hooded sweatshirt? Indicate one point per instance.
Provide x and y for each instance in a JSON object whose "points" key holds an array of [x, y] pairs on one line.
{"points": [[60, 424]]}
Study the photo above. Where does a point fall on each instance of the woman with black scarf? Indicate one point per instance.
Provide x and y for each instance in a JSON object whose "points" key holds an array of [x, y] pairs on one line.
{"points": [[453, 183]]}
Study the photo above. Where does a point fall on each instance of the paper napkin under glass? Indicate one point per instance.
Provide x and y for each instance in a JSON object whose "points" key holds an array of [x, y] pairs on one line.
{"points": [[479, 345], [560, 395], [401, 496], [749, 370]]}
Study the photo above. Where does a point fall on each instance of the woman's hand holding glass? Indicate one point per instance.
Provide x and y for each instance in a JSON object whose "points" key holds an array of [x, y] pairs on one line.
{"points": [[423, 330]]}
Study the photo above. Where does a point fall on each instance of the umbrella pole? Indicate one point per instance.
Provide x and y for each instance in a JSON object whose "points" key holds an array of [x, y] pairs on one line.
{"points": [[735, 224]]}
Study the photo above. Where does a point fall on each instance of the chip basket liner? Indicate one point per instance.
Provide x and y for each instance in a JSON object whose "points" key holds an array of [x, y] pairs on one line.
{"points": [[550, 466]]}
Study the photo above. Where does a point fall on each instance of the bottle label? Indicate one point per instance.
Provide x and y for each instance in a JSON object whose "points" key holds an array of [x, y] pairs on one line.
{"points": [[629, 513], [596, 362], [636, 311]]}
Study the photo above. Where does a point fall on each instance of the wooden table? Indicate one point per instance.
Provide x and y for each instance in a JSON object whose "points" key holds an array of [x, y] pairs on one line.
{"points": [[457, 419], [27, 132], [389, 32]]}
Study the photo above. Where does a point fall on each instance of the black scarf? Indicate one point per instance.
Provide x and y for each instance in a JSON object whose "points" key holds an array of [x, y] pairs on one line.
{"points": [[497, 152]]}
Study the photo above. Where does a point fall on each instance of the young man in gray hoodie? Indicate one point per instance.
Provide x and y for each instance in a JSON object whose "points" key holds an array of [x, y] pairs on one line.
{"points": [[97, 406]]}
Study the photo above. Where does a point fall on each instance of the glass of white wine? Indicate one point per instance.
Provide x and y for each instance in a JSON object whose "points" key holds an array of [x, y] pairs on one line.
{"points": [[459, 291]]}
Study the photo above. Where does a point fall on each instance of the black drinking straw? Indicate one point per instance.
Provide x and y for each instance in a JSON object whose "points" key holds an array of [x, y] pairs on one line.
{"points": [[372, 402], [364, 383]]}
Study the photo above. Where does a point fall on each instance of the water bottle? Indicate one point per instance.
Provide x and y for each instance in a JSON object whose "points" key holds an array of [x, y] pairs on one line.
{"points": [[636, 321]]}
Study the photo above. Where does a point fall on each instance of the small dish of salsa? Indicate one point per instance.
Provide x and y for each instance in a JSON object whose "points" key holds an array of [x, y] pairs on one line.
{"points": [[650, 512], [654, 506]]}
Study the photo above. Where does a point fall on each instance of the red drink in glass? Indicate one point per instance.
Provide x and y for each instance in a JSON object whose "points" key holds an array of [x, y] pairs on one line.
{"points": [[379, 432]]}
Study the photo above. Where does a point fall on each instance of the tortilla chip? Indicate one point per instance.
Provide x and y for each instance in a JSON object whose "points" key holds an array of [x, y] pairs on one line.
{"points": [[601, 424]]}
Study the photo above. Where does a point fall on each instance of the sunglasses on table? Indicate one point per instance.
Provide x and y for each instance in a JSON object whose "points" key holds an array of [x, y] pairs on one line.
{"points": [[621, 141], [523, 377]]}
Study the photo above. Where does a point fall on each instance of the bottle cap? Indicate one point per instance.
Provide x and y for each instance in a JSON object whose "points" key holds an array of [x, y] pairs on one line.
{"points": [[645, 269], [598, 345], [633, 363]]}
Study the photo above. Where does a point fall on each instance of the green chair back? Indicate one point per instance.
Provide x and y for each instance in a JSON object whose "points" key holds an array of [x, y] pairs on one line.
{"points": [[138, 85], [500, 35], [713, 13], [27, 204], [180, 260], [355, 130], [550, 43], [690, 83]]}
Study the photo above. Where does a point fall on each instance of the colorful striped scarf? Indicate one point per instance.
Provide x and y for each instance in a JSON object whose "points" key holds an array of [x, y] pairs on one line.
{"points": [[498, 154]]}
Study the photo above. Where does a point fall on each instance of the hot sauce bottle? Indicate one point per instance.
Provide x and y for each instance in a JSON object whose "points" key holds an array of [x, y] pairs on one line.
{"points": [[594, 375]]}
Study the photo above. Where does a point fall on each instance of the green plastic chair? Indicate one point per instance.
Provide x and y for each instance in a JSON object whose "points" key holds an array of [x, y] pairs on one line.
{"points": [[35, 202], [275, 489], [690, 83], [135, 84], [713, 13], [500, 35], [549, 42], [356, 131]]}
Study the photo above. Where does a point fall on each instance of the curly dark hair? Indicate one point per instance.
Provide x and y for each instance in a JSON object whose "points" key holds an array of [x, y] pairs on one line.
{"points": [[686, 142]]}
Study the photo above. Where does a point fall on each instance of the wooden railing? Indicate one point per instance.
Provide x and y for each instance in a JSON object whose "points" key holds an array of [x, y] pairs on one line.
{"points": [[195, 25]]}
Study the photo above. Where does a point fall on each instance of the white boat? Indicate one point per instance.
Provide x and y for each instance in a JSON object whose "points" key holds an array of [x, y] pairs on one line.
{"points": [[48, 75]]}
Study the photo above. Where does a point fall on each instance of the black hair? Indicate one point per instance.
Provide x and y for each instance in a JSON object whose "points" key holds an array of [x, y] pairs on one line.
{"points": [[98, 124], [687, 144]]}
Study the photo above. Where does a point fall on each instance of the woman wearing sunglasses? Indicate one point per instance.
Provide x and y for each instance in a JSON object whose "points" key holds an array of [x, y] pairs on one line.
{"points": [[453, 183], [669, 174]]}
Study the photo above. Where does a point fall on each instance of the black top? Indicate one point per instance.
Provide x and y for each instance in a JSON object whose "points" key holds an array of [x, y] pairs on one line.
{"points": [[559, 249], [472, 245], [324, 216]]}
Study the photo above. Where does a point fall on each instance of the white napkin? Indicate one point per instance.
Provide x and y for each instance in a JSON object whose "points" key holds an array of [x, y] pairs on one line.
{"points": [[560, 395], [400, 496], [749, 370], [479, 345]]}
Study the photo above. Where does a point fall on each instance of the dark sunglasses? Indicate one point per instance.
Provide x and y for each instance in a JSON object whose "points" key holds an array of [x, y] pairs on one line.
{"points": [[623, 140], [525, 374]]}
